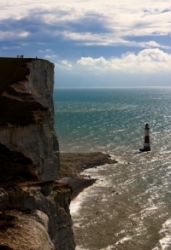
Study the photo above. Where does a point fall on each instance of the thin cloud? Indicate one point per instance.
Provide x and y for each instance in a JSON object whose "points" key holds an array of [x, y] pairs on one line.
{"points": [[45, 51], [6, 35], [64, 65], [50, 56], [89, 39], [67, 64], [10, 48]]}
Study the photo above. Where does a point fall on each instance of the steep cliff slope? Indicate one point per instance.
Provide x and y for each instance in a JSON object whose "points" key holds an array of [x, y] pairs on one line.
{"points": [[28, 143], [34, 208]]}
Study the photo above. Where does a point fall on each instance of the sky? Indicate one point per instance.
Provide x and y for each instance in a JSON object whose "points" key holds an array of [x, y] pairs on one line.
{"points": [[93, 43]]}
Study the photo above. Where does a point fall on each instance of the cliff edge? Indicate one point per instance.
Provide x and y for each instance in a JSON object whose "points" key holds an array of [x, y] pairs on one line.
{"points": [[34, 208]]}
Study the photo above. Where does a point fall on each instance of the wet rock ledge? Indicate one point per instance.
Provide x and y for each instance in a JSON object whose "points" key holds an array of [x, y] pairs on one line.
{"points": [[72, 164], [34, 207]]}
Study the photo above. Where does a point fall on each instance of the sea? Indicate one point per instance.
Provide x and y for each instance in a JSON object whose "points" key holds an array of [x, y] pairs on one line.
{"points": [[129, 206]]}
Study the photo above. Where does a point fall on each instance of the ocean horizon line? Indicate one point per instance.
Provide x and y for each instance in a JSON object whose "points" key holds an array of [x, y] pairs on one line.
{"points": [[95, 88]]}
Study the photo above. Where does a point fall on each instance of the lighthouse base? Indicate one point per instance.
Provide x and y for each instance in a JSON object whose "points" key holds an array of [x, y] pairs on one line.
{"points": [[145, 149]]}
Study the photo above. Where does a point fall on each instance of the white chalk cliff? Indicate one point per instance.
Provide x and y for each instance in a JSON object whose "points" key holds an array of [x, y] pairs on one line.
{"points": [[34, 207]]}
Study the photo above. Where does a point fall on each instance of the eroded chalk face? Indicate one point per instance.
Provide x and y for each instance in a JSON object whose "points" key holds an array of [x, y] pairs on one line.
{"points": [[28, 142]]}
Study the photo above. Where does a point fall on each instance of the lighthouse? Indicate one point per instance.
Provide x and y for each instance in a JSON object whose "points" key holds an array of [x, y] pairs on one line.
{"points": [[146, 139]]}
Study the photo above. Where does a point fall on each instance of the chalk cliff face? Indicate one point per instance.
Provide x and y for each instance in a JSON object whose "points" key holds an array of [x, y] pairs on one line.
{"points": [[26, 122], [40, 216], [34, 208]]}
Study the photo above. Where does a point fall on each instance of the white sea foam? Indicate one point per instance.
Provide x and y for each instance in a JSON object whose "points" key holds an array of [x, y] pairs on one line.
{"points": [[127, 238], [165, 242], [77, 202], [121, 241], [108, 248], [75, 206], [148, 211], [80, 248]]}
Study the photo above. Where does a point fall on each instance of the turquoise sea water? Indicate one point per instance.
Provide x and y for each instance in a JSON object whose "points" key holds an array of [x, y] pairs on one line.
{"points": [[129, 207]]}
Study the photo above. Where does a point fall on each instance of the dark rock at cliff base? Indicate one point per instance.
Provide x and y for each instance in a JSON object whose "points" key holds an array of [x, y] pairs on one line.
{"points": [[77, 184], [72, 164]]}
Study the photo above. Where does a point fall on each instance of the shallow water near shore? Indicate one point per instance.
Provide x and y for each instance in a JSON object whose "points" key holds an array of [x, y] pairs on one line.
{"points": [[129, 207]]}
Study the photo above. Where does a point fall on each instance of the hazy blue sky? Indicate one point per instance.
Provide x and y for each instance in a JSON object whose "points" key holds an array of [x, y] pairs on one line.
{"points": [[93, 43]]}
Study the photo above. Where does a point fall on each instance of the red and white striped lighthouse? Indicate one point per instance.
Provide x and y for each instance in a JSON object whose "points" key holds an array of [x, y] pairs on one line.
{"points": [[146, 139]]}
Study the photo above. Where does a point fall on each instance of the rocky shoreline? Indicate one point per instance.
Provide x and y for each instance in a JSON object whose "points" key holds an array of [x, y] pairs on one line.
{"points": [[72, 164]]}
